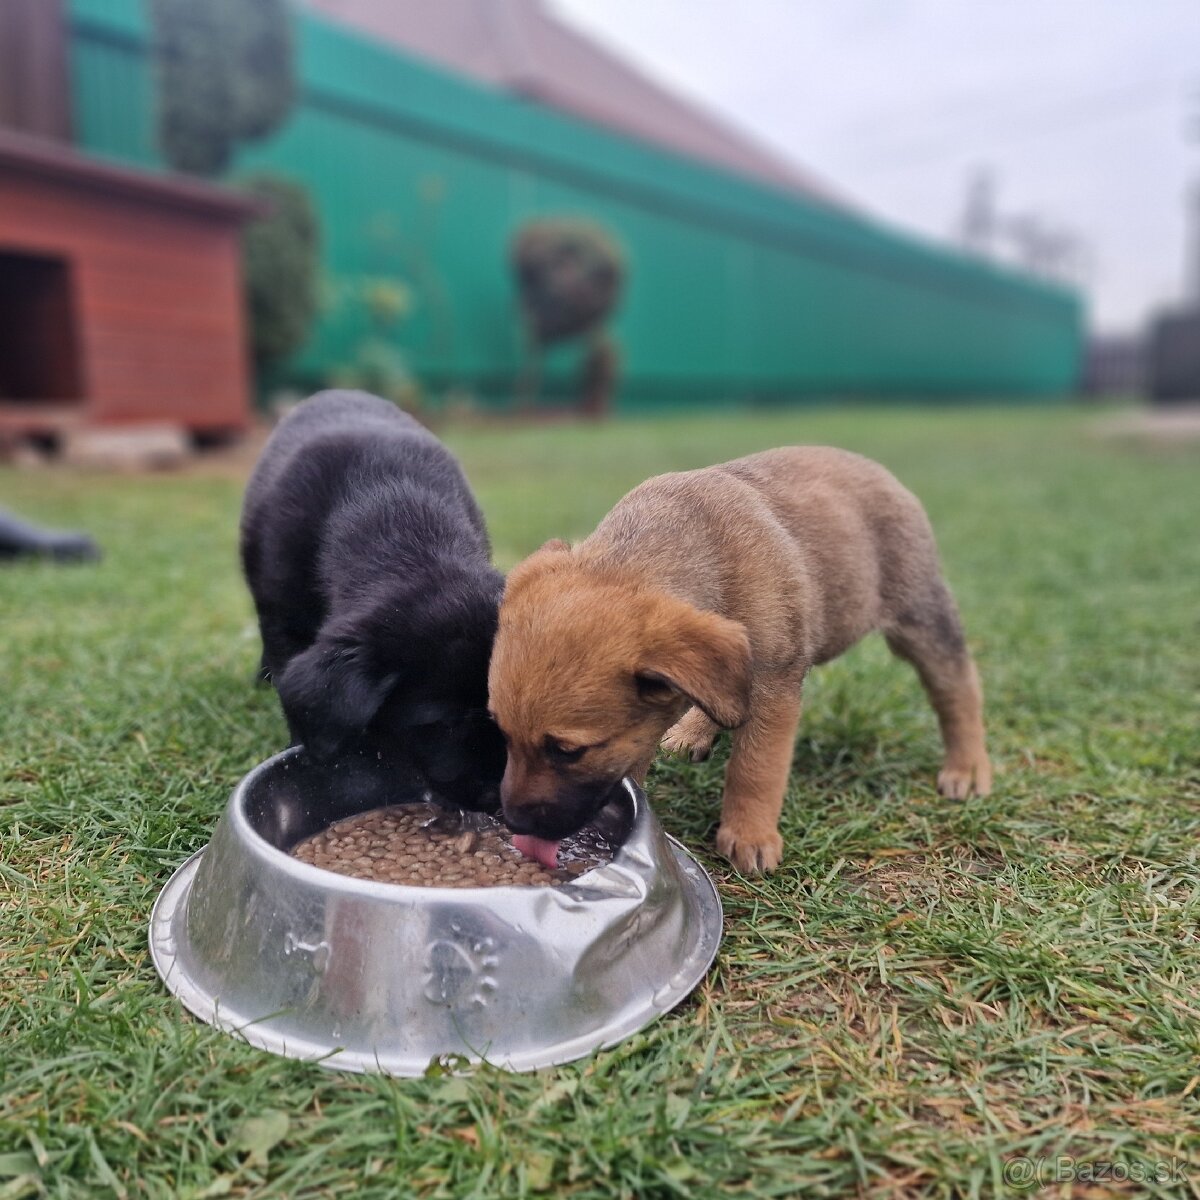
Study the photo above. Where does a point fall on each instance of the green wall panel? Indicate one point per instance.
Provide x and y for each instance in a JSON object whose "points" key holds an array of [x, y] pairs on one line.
{"points": [[736, 290]]}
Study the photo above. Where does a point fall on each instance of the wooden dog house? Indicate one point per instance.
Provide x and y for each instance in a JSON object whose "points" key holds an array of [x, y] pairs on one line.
{"points": [[120, 296]]}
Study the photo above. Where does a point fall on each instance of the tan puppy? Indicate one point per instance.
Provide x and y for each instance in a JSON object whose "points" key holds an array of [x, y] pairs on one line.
{"points": [[700, 603]]}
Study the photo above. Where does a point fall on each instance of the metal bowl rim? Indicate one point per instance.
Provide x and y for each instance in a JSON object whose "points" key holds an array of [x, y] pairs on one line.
{"points": [[334, 881]]}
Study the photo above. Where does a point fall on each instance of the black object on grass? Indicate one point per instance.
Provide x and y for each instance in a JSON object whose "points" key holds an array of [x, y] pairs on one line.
{"points": [[20, 539]]}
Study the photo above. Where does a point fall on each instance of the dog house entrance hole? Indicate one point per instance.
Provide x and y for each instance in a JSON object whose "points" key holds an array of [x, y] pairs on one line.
{"points": [[39, 358]]}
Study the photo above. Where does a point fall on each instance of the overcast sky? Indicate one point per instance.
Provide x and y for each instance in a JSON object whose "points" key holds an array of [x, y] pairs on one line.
{"points": [[1087, 111]]}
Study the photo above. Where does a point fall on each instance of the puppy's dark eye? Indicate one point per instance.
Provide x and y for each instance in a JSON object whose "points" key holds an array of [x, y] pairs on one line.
{"points": [[557, 752]]}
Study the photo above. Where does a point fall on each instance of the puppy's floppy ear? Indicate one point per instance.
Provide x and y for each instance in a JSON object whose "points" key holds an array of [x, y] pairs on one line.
{"points": [[554, 546], [699, 655], [329, 694]]}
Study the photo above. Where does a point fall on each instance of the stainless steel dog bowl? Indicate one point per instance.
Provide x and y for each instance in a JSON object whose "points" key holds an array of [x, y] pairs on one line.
{"points": [[366, 976]]}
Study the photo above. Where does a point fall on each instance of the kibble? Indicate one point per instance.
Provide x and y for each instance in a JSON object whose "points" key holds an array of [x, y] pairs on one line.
{"points": [[423, 846]]}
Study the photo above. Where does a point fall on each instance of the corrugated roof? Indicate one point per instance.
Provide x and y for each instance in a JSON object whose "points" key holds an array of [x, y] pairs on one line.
{"points": [[519, 46]]}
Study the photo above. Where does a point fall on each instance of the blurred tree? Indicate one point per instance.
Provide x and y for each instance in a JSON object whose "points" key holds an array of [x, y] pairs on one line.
{"points": [[281, 252], [225, 74], [263, 84], [569, 276]]}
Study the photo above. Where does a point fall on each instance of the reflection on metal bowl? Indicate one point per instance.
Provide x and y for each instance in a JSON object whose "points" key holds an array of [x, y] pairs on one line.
{"points": [[367, 976]]}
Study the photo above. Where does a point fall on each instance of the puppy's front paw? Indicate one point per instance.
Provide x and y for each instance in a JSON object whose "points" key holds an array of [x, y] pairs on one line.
{"points": [[958, 780], [753, 853], [692, 736]]}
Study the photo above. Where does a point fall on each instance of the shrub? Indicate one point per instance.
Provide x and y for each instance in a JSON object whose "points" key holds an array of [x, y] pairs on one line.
{"points": [[377, 305], [569, 275], [281, 253], [225, 74]]}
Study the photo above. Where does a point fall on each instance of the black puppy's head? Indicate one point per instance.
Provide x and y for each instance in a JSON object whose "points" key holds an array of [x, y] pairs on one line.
{"points": [[408, 677], [441, 723]]}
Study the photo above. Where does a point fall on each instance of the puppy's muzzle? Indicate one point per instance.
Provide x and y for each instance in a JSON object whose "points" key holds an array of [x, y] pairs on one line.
{"points": [[558, 817], [550, 821]]}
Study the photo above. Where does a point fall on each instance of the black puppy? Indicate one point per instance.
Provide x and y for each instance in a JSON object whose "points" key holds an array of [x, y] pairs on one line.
{"points": [[368, 561]]}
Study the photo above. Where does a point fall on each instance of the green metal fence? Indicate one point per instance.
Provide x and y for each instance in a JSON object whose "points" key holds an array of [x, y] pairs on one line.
{"points": [[736, 290]]}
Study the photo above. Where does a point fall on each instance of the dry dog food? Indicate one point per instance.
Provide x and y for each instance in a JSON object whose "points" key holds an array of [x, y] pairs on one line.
{"points": [[424, 846]]}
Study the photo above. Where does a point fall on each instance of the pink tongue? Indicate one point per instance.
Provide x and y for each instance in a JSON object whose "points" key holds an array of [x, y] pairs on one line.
{"points": [[538, 849]]}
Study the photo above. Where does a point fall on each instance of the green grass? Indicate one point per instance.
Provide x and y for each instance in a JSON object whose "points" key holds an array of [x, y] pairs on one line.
{"points": [[925, 991]]}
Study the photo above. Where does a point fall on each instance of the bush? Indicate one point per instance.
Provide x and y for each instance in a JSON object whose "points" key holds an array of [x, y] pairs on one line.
{"points": [[377, 305], [225, 74], [281, 253], [569, 275]]}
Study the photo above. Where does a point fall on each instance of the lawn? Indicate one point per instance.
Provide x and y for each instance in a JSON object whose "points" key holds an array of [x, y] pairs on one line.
{"points": [[928, 995]]}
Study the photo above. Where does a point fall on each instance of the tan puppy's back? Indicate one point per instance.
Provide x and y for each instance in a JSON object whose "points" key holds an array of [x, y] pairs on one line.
{"points": [[804, 540]]}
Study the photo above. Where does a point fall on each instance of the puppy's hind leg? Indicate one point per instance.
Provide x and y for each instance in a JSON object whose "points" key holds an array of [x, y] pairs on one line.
{"points": [[928, 634], [755, 783], [692, 735]]}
